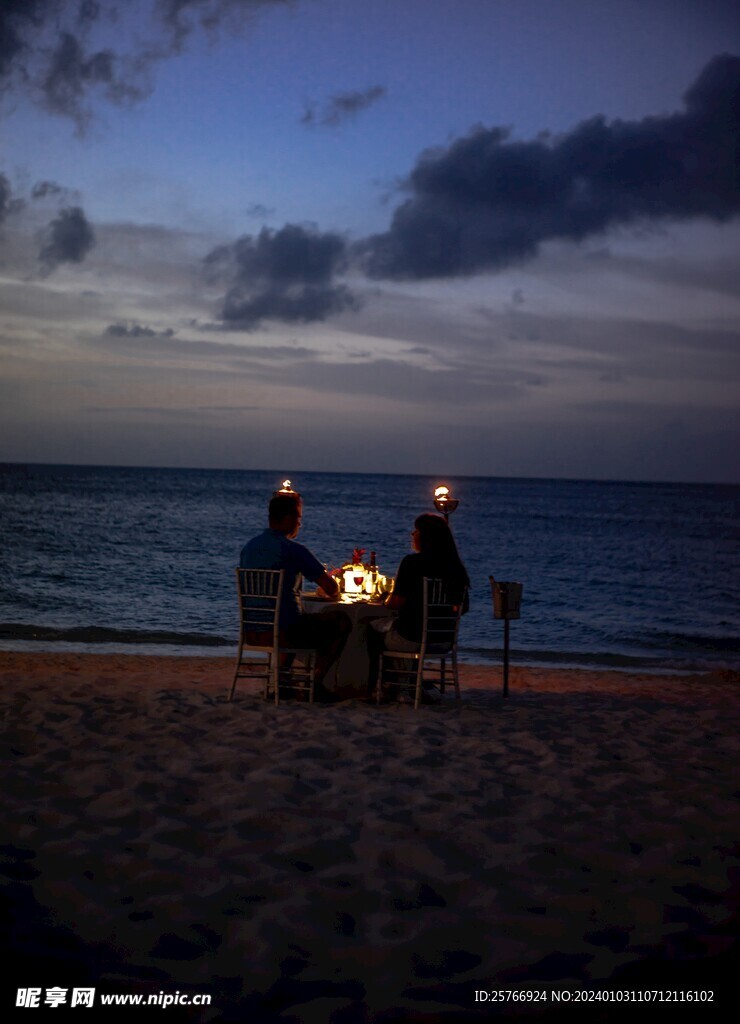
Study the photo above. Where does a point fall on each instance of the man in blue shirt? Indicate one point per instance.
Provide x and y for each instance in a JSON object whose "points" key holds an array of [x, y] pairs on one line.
{"points": [[276, 548]]}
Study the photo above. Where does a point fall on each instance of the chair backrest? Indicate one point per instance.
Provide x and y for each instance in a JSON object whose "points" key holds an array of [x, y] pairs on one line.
{"points": [[259, 592], [441, 617]]}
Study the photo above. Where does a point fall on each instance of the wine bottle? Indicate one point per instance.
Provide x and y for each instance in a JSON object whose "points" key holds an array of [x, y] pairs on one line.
{"points": [[373, 567]]}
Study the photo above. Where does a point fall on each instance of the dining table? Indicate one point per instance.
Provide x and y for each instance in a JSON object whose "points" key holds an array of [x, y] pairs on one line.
{"points": [[349, 676]]}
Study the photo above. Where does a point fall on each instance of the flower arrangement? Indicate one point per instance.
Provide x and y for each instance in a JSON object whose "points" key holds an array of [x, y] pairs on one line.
{"points": [[350, 569], [356, 560], [372, 582]]}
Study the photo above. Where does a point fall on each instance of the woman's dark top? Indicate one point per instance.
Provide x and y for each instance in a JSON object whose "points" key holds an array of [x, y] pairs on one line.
{"points": [[410, 585]]}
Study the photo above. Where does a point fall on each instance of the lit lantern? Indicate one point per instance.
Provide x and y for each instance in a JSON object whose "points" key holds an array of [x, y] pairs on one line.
{"points": [[443, 500], [354, 579], [285, 488]]}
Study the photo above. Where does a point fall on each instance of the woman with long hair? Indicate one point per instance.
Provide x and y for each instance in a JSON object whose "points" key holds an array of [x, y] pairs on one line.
{"points": [[435, 557]]}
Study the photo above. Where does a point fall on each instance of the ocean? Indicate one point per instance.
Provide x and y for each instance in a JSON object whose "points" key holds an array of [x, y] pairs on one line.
{"points": [[621, 575]]}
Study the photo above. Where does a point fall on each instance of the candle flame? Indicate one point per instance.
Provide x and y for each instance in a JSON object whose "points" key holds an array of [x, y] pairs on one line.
{"points": [[441, 491], [286, 485]]}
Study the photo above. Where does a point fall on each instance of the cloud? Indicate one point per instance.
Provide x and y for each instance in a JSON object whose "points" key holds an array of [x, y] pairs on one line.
{"points": [[182, 17], [8, 203], [69, 239], [11, 203], [5, 197], [55, 50], [260, 211], [42, 189], [71, 73], [18, 18], [488, 201], [343, 106], [45, 50], [137, 341], [136, 331], [285, 275]]}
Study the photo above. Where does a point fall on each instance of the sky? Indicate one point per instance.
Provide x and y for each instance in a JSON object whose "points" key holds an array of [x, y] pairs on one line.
{"points": [[455, 237]]}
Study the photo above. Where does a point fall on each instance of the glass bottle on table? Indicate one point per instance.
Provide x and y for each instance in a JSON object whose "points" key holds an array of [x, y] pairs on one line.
{"points": [[373, 574]]}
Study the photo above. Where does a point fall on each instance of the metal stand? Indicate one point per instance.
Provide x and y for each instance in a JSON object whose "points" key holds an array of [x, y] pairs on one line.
{"points": [[506, 657], [444, 502], [507, 599]]}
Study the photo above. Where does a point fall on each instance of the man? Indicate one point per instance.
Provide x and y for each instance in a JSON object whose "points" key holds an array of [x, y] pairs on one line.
{"points": [[276, 548]]}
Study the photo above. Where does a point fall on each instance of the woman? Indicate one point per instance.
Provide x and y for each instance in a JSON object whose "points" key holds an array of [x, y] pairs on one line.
{"points": [[435, 557]]}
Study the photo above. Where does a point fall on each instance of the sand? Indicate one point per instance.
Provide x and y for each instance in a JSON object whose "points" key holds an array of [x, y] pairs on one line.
{"points": [[353, 863]]}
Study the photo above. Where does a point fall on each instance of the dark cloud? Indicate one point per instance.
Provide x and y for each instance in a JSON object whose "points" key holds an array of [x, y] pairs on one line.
{"points": [[488, 201], [343, 106], [46, 51], [19, 19], [42, 189], [295, 304], [8, 204], [5, 197], [260, 211], [71, 73], [286, 275], [136, 331], [47, 47], [69, 239]]}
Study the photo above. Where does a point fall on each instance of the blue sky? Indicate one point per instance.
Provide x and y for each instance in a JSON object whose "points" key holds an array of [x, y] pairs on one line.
{"points": [[414, 302]]}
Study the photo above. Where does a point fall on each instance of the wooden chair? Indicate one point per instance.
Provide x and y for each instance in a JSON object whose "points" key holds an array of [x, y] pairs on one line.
{"points": [[440, 624], [280, 668]]}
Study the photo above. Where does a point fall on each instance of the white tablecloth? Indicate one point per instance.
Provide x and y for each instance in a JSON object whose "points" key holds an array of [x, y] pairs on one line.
{"points": [[350, 675]]}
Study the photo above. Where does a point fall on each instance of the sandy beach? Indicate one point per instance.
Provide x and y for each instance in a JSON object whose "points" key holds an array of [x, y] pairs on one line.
{"points": [[357, 863]]}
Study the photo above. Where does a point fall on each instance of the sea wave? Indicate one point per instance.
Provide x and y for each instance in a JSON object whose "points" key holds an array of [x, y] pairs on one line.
{"points": [[102, 639], [695, 641], [106, 635], [608, 660]]}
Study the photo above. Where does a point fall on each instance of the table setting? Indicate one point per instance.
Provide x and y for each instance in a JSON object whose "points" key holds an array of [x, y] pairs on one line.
{"points": [[363, 589]]}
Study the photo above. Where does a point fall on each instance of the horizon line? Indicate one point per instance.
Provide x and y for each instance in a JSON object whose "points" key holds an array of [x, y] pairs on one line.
{"points": [[340, 472]]}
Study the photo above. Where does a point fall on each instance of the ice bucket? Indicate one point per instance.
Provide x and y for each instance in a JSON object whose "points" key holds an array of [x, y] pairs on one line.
{"points": [[507, 599]]}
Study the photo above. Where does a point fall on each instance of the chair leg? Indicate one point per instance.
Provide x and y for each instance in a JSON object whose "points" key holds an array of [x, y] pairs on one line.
{"points": [[406, 680], [419, 681], [397, 680], [283, 664], [275, 673], [268, 677], [291, 673], [442, 677], [236, 670], [311, 676], [455, 676], [379, 681], [250, 673]]}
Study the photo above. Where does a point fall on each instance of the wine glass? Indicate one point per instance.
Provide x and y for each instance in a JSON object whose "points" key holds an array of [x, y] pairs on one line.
{"points": [[359, 579]]}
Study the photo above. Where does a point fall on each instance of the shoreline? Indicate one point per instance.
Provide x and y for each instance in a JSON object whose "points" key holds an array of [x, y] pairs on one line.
{"points": [[480, 674], [352, 862], [213, 674], [519, 659]]}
